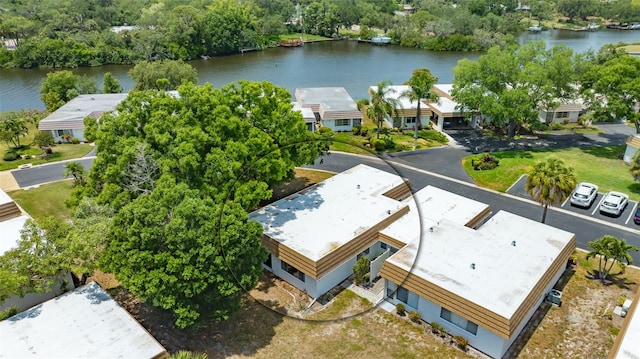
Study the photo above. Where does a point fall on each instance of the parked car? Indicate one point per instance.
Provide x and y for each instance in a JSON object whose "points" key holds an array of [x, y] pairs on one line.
{"points": [[636, 217], [614, 203], [584, 194]]}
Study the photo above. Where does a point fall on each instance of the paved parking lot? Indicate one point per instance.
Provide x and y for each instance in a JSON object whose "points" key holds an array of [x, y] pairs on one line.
{"points": [[625, 219]]}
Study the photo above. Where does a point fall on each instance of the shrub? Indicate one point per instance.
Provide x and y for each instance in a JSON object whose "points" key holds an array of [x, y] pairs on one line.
{"points": [[388, 142], [48, 151], [400, 309], [432, 135], [437, 328], [486, 162], [385, 131], [7, 313], [75, 140], [10, 156], [415, 317], [325, 129], [360, 269], [356, 130], [363, 131], [379, 145], [43, 139], [461, 341], [556, 126]]}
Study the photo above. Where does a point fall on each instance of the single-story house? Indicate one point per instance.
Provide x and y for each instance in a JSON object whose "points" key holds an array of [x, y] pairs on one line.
{"points": [[565, 113], [446, 111], [67, 122], [307, 115], [333, 107], [84, 323], [483, 284], [12, 220], [407, 110], [626, 345], [633, 144], [439, 253]]}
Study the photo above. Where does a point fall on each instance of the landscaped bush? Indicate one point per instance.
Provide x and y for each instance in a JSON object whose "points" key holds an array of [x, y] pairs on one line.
{"points": [[400, 309], [437, 328], [556, 126], [356, 130], [486, 162], [361, 269], [10, 156], [324, 129], [389, 143], [415, 317], [461, 341], [75, 140], [7, 313], [364, 131], [379, 145]]}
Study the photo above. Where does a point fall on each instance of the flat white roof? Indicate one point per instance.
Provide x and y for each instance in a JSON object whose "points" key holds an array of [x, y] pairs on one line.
{"points": [[80, 107], [444, 105], [331, 98], [10, 230], [398, 93], [446, 88], [321, 218], [84, 323], [4, 197], [307, 113], [429, 206], [504, 274]]}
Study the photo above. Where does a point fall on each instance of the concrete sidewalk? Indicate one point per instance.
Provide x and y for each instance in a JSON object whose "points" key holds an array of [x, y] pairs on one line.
{"points": [[8, 182]]}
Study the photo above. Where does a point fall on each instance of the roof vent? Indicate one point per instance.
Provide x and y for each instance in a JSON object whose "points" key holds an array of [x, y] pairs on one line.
{"points": [[431, 229], [358, 186], [388, 211], [513, 243], [473, 266]]}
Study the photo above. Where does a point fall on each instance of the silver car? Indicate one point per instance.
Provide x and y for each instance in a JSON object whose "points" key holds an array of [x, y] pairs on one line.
{"points": [[614, 203], [584, 194]]}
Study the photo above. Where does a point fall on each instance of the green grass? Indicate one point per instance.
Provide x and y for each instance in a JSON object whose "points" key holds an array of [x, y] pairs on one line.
{"points": [[60, 153], [305, 37], [600, 165], [46, 200], [347, 142]]}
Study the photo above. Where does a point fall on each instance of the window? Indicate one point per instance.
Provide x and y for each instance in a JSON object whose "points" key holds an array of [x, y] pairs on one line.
{"points": [[562, 114], [63, 132], [292, 270], [410, 120], [363, 253], [402, 295], [383, 246], [459, 321], [391, 288], [342, 122], [267, 261], [357, 122]]}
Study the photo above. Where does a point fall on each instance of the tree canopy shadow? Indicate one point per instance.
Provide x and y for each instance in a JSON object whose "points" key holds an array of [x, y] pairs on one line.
{"points": [[610, 152]]}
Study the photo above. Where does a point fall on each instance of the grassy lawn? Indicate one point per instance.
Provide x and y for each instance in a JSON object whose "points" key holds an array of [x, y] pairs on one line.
{"points": [[60, 152], [304, 178], [305, 37], [46, 200], [635, 48], [599, 165]]}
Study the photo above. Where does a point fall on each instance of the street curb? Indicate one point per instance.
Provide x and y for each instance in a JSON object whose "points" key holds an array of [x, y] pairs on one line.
{"points": [[53, 163]]}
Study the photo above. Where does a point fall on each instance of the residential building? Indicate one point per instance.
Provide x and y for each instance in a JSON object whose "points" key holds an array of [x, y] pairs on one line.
{"points": [[67, 122], [84, 323], [564, 113], [307, 115], [406, 109], [333, 107], [447, 113], [483, 284], [439, 253]]}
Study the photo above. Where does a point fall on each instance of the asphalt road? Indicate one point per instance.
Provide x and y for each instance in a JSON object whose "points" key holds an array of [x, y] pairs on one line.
{"points": [[46, 173], [586, 228]]}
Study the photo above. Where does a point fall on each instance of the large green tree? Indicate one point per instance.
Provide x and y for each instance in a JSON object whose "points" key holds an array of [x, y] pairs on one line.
{"points": [[12, 128], [162, 75], [421, 82], [110, 84], [610, 250], [61, 86], [182, 173], [549, 183], [613, 88], [382, 103]]}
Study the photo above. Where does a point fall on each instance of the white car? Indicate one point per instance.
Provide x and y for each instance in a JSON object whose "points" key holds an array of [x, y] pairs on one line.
{"points": [[584, 194], [614, 203]]}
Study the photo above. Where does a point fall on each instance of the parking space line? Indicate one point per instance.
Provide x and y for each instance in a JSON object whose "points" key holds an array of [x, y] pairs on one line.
{"points": [[598, 206], [565, 201], [633, 211]]}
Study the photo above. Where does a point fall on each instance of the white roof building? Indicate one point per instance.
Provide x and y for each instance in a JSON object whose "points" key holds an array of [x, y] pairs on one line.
{"points": [[12, 219], [84, 323], [334, 106]]}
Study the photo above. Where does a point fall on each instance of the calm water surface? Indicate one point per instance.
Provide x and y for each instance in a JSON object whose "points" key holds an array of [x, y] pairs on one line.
{"points": [[353, 65]]}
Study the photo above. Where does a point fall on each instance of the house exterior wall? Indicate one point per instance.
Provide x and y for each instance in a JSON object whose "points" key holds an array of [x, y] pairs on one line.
{"points": [[559, 116], [77, 133], [484, 340], [63, 284], [399, 121], [332, 124]]}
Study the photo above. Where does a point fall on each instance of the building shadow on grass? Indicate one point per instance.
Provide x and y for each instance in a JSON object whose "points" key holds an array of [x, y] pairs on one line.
{"points": [[616, 279], [243, 334]]}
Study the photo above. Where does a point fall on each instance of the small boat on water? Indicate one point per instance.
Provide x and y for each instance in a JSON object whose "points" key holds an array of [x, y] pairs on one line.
{"points": [[535, 28], [292, 42], [593, 27]]}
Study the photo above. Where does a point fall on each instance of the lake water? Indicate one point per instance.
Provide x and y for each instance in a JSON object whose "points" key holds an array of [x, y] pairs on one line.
{"points": [[350, 64]]}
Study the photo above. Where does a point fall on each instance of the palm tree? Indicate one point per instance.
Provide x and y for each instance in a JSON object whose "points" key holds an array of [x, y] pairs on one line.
{"points": [[381, 103], [611, 248], [76, 170], [420, 82], [550, 183]]}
